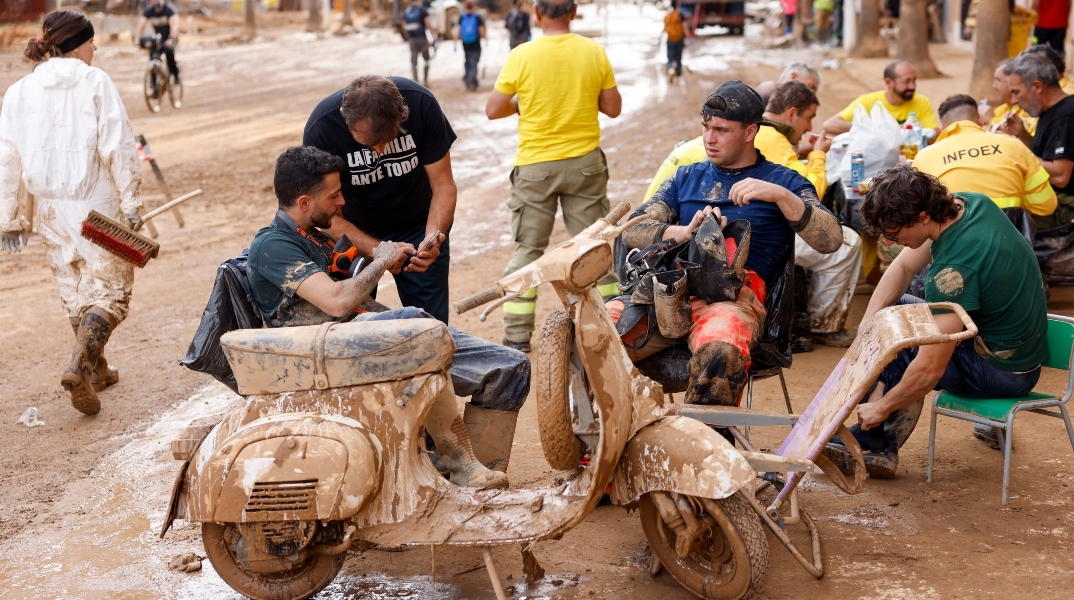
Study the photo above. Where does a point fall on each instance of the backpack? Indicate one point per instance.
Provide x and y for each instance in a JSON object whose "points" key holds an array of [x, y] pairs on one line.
{"points": [[414, 20], [518, 22], [469, 28]]}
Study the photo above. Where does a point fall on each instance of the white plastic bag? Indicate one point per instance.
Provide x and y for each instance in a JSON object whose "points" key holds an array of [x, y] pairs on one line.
{"points": [[876, 136]]}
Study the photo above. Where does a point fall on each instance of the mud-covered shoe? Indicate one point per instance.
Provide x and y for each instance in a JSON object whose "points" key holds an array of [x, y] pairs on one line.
{"points": [[987, 434], [520, 346], [838, 339], [83, 398], [104, 375], [879, 465], [93, 333]]}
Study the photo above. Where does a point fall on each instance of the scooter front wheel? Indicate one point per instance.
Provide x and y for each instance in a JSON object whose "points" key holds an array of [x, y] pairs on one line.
{"points": [[303, 580], [727, 561], [562, 449]]}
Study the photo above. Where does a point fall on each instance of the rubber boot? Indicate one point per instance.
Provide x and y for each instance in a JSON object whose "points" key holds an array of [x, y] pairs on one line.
{"points": [[414, 71], [491, 434], [104, 375], [717, 376], [425, 75], [93, 332], [453, 443]]}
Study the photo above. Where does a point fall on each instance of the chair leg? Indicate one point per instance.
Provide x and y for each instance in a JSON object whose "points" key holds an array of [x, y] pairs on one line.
{"points": [[786, 394], [749, 402], [1007, 454], [932, 444], [1066, 421]]}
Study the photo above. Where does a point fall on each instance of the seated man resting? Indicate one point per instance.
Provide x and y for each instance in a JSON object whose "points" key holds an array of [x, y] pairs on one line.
{"points": [[979, 261], [288, 271], [736, 182]]}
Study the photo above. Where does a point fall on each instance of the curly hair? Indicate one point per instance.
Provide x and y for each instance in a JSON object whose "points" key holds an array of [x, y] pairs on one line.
{"points": [[300, 171], [899, 195]]}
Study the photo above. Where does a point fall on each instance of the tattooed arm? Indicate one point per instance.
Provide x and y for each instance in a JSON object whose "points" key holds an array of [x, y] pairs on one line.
{"points": [[339, 298], [818, 227]]}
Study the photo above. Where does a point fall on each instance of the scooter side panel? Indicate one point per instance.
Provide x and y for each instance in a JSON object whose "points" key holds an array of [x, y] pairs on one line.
{"points": [[682, 455]]}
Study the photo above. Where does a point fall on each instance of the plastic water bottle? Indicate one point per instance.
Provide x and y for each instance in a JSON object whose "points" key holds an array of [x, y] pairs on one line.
{"points": [[911, 143], [913, 121], [983, 106]]}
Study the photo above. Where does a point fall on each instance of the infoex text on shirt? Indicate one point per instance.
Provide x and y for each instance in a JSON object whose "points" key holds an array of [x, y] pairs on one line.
{"points": [[400, 158], [986, 150]]}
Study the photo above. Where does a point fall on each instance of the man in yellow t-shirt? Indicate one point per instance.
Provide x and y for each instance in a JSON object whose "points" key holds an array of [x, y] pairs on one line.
{"points": [[900, 98], [557, 84], [966, 158], [1000, 83]]}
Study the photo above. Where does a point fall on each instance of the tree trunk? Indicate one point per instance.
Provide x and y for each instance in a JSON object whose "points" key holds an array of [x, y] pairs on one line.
{"points": [[869, 44], [347, 20], [251, 19], [913, 44], [989, 46], [314, 24]]}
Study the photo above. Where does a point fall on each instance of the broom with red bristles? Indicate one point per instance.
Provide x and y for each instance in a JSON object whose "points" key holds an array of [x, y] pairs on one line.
{"points": [[123, 241]]}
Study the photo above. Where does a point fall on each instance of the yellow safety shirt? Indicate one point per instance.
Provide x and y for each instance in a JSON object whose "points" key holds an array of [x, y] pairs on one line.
{"points": [[777, 148], [966, 158], [1028, 122], [558, 79], [1067, 85], [918, 104]]}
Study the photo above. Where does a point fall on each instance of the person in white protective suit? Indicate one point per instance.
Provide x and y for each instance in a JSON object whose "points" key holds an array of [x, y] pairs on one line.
{"points": [[65, 134]]}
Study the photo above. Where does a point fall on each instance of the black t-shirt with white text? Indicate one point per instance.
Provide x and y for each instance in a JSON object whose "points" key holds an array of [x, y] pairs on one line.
{"points": [[158, 16], [389, 193], [1055, 136]]}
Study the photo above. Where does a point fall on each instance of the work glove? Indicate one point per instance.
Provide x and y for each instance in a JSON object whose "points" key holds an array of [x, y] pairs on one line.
{"points": [[12, 241], [134, 219]]}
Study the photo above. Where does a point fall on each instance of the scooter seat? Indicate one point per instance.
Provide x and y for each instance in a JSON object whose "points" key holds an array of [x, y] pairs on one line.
{"points": [[333, 355]]}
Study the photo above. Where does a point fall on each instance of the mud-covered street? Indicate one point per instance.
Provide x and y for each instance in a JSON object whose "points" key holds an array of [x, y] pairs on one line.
{"points": [[82, 498]]}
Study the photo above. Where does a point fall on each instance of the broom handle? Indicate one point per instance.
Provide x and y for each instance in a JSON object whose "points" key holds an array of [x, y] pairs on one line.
{"points": [[167, 207]]}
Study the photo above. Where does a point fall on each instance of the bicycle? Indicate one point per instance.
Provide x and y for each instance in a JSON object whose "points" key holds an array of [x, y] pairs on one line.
{"points": [[158, 80]]}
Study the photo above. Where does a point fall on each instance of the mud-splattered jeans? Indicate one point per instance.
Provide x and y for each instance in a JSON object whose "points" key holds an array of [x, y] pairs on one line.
{"points": [[967, 374], [494, 376]]}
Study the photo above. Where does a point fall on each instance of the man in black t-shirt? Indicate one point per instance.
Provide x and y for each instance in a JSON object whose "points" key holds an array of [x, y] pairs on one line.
{"points": [[416, 24], [471, 32], [398, 184], [1034, 83], [165, 21], [517, 23]]}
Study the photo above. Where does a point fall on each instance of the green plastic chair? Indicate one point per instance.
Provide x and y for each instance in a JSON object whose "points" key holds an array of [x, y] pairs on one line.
{"points": [[1000, 412]]}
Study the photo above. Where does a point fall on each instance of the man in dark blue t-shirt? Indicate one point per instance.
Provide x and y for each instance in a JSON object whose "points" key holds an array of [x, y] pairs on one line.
{"points": [[418, 32], [471, 32], [165, 21], [736, 183], [398, 184]]}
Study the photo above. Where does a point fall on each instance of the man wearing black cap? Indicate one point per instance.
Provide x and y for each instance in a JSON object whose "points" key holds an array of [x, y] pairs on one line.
{"points": [[736, 183]]}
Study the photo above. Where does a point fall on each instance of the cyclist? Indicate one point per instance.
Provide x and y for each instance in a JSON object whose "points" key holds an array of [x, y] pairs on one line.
{"points": [[165, 20], [416, 22]]}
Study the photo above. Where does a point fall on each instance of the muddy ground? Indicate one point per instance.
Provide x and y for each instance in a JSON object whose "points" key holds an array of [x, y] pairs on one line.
{"points": [[81, 496]]}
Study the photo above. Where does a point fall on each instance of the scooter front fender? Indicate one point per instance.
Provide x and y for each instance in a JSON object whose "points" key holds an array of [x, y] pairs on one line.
{"points": [[681, 455]]}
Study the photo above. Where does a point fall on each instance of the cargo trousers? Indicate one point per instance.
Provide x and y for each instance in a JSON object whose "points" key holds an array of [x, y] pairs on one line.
{"points": [[577, 186]]}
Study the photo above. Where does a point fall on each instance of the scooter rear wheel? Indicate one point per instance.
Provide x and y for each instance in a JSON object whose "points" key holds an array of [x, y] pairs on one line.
{"points": [[562, 449], [727, 562], [301, 582]]}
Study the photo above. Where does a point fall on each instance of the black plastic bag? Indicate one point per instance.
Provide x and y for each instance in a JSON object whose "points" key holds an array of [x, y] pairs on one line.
{"points": [[1055, 253], [231, 306]]}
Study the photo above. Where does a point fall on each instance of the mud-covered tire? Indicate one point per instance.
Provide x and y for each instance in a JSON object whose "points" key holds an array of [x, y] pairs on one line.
{"points": [[739, 551], [562, 449], [299, 583], [153, 88]]}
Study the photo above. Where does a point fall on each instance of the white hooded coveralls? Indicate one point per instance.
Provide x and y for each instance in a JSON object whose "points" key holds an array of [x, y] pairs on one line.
{"points": [[65, 134]]}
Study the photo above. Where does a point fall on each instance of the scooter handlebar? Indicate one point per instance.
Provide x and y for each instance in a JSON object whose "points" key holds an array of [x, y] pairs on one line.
{"points": [[483, 297]]}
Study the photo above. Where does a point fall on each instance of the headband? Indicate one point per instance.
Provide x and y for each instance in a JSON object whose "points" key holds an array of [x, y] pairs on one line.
{"points": [[77, 39]]}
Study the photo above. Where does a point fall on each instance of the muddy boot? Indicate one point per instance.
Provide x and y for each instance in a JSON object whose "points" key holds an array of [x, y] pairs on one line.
{"points": [[453, 443], [103, 375], [717, 376], [425, 75], [491, 434], [414, 72], [93, 332]]}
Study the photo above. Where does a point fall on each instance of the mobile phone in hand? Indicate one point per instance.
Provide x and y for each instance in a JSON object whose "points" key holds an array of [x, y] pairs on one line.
{"points": [[429, 241]]}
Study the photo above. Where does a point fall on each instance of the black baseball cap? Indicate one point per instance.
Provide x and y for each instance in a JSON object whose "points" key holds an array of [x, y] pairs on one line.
{"points": [[734, 101]]}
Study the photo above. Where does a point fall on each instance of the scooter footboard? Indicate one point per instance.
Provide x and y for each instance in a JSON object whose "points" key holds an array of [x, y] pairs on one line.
{"points": [[287, 467], [679, 454]]}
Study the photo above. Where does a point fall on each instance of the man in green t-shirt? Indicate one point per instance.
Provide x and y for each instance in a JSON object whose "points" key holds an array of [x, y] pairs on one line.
{"points": [[979, 261]]}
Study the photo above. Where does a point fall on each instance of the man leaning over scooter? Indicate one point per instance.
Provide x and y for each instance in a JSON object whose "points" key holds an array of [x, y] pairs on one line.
{"points": [[289, 271], [736, 183]]}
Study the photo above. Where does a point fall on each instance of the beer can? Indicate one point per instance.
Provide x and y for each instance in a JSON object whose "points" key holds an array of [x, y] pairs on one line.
{"points": [[857, 169]]}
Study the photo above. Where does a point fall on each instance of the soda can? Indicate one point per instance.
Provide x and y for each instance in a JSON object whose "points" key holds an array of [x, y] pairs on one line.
{"points": [[857, 169]]}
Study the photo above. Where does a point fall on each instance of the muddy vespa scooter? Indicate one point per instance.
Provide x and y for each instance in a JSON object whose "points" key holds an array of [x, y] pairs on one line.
{"points": [[326, 452]]}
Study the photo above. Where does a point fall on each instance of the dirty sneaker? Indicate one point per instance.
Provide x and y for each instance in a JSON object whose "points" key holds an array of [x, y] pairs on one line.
{"points": [[987, 434], [838, 339], [879, 465], [520, 346]]}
